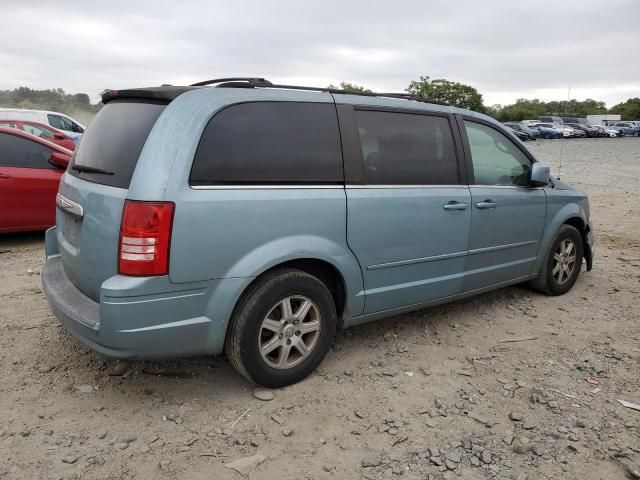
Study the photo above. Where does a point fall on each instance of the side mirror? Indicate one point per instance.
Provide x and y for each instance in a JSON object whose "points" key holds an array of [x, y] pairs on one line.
{"points": [[540, 174], [59, 159], [58, 135]]}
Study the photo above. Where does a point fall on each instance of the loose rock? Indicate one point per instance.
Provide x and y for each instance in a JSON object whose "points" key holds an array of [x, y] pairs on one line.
{"points": [[370, 460], [264, 394]]}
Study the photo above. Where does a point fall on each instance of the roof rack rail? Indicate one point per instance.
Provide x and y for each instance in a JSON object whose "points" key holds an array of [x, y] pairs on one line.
{"points": [[253, 82]]}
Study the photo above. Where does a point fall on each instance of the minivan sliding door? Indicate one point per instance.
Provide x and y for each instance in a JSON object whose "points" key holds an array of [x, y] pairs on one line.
{"points": [[408, 213]]}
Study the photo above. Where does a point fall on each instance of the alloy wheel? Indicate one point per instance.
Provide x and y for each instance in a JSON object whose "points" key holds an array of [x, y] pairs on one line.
{"points": [[289, 332], [564, 261]]}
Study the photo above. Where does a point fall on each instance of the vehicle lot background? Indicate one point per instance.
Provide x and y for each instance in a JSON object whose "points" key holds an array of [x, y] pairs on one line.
{"points": [[382, 391]]}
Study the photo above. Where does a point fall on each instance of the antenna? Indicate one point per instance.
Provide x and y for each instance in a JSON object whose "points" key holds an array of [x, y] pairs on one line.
{"points": [[562, 143]]}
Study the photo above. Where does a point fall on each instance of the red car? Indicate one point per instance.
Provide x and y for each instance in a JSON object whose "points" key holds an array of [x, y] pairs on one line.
{"points": [[30, 171], [41, 130]]}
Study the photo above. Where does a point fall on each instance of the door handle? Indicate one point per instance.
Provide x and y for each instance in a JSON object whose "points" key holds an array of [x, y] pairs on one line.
{"points": [[486, 204], [453, 205], [4, 175]]}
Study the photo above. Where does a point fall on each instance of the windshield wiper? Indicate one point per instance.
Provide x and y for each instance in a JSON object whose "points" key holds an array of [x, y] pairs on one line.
{"points": [[87, 169]]}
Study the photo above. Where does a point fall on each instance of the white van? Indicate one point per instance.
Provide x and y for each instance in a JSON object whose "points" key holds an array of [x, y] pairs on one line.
{"points": [[57, 120]]}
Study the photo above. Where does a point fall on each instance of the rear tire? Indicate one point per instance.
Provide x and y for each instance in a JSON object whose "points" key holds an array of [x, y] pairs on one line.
{"points": [[282, 328], [562, 264]]}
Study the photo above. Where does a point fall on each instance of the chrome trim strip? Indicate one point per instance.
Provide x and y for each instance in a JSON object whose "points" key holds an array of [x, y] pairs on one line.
{"points": [[418, 260], [506, 186], [265, 187], [446, 256], [502, 247], [73, 208], [354, 186], [404, 186]]}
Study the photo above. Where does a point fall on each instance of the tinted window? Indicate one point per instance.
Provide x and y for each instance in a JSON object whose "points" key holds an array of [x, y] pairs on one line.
{"points": [[406, 149], [20, 152], [114, 141], [270, 143], [496, 159]]}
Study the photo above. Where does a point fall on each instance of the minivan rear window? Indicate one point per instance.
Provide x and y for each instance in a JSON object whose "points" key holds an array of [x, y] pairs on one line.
{"points": [[270, 143], [114, 140]]}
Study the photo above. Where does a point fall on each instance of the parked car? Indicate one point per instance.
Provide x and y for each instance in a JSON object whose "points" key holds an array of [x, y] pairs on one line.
{"points": [[532, 133], [628, 128], [30, 171], [42, 131], [529, 123], [258, 221], [521, 135], [588, 130], [567, 132], [548, 130], [573, 131], [608, 131], [59, 121]]}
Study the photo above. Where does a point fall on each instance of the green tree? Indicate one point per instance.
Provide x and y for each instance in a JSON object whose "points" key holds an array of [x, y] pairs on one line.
{"points": [[629, 110], [523, 109], [350, 87], [56, 99], [453, 93], [531, 109]]}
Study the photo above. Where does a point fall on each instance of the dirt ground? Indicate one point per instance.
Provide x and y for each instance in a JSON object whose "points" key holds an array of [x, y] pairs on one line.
{"points": [[409, 396]]}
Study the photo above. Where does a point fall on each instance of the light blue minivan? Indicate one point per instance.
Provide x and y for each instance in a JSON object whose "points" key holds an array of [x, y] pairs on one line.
{"points": [[241, 216]]}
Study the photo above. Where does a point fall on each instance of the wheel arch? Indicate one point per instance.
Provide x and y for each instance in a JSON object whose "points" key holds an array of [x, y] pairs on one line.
{"points": [[570, 214], [583, 228]]}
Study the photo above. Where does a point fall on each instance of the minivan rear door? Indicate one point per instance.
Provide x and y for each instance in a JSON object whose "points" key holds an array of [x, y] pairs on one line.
{"points": [[93, 191], [408, 211]]}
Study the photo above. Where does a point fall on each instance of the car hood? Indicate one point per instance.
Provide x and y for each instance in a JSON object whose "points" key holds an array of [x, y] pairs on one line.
{"points": [[560, 185]]}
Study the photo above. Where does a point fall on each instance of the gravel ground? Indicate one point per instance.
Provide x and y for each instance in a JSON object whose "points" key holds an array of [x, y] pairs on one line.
{"points": [[438, 394]]}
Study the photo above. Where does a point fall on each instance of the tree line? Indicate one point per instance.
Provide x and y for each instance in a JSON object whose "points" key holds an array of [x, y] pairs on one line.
{"points": [[466, 96], [442, 90], [55, 99]]}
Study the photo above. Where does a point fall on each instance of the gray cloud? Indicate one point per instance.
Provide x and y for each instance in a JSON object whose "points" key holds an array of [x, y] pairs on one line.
{"points": [[506, 49]]}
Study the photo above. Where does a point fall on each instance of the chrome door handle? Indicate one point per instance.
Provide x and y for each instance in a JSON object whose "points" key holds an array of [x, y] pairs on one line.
{"points": [[453, 205], [486, 204]]}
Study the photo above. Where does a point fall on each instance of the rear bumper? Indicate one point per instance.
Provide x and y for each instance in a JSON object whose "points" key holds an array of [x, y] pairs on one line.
{"points": [[140, 318]]}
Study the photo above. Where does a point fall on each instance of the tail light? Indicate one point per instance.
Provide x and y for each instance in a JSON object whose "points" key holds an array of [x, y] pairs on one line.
{"points": [[145, 237]]}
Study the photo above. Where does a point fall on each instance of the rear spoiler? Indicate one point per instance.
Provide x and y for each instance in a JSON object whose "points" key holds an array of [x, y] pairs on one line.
{"points": [[165, 92]]}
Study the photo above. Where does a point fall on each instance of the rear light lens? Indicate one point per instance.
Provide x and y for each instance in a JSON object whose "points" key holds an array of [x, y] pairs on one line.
{"points": [[145, 238]]}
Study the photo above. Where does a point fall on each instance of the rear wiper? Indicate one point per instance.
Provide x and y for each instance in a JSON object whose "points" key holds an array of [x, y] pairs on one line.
{"points": [[87, 169]]}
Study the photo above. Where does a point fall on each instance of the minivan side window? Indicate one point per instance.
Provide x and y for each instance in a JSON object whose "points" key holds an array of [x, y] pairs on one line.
{"points": [[270, 143], [23, 153], [496, 159], [406, 148]]}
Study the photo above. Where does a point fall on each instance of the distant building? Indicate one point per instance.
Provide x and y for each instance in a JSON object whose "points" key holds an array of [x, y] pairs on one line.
{"points": [[603, 119]]}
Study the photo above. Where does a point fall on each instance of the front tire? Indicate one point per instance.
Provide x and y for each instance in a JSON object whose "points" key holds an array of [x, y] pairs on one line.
{"points": [[562, 264], [282, 328]]}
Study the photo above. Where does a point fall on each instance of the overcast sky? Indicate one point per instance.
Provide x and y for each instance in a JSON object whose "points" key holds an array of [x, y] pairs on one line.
{"points": [[505, 49]]}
